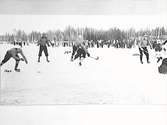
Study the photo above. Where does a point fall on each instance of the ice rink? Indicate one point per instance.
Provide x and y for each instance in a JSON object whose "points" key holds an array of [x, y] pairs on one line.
{"points": [[116, 78]]}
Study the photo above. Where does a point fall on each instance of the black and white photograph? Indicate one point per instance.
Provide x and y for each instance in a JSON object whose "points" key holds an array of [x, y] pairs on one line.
{"points": [[83, 62], [89, 52]]}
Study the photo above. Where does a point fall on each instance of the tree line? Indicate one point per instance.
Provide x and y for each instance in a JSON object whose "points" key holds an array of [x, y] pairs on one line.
{"points": [[90, 34]]}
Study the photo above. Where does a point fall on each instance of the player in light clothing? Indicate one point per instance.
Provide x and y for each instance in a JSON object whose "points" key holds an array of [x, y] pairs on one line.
{"points": [[143, 43]]}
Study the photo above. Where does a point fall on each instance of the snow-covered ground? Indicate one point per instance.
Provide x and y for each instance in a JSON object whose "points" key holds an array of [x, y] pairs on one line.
{"points": [[116, 78]]}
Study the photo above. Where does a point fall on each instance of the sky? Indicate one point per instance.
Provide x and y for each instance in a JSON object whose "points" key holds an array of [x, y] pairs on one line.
{"points": [[44, 23], [83, 7], [44, 15]]}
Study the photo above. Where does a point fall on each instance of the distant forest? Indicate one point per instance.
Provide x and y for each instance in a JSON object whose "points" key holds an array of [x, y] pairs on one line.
{"points": [[90, 34]]}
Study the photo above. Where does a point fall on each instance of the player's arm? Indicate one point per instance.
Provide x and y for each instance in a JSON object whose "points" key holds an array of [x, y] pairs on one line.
{"points": [[48, 42], [164, 42], [21, 53], [38, 42]]}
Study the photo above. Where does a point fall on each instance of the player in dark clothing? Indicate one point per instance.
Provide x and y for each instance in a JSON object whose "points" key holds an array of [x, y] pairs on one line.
{"points": [[43, 43], [14, 54], [160, 50], [81, 52], [74, 49], [163, 67]]}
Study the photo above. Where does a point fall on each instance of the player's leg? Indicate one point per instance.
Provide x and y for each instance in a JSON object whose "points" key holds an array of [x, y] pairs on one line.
{"points": [[82, 56], [46, 53], [6, 58], [16, 64], [80, 61], [74, 49], [40, 53], [141, 55], [147, 54]]}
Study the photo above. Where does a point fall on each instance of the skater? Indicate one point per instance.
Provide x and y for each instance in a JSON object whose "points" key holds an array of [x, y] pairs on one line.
{"points": [[76, 45], [81, 53], [42, 43], [14, 54], [74, 49], [143, 43], [160, 50]]}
